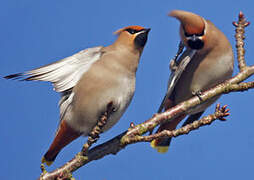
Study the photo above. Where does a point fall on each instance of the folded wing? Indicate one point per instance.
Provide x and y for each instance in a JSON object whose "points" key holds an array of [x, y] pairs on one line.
{"points": [[184, 60]]}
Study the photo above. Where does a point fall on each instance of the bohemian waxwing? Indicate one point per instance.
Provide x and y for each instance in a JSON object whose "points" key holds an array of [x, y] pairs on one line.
{"points": [[207, 61], [88, 81]]}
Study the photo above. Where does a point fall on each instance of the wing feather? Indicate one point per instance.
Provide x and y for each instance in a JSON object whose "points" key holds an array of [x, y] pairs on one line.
{"points": [[184, 59], [63, 74]]}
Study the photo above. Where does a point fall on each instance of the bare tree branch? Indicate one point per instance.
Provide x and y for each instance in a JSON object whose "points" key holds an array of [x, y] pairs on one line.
{"points": [[134, 133], [220, 113], [239, 36]]}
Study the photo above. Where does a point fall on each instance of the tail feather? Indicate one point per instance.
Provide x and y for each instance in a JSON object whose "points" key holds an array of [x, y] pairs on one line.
{"points": [[64, 136], [162, 144], [48, 162]]}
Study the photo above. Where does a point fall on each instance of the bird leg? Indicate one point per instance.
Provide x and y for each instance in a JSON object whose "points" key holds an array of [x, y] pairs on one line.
{"points": [[173, 62], [94, 135]]}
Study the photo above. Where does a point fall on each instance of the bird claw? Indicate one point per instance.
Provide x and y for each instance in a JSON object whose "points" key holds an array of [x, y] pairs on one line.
{"points": [[198, 94]]}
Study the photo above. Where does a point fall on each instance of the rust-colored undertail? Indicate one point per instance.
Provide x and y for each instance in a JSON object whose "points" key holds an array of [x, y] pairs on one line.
{"points": [[64, 136]]}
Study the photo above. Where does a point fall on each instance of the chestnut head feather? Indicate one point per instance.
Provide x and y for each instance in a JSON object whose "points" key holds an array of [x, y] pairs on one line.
{"points": [[192, 23], [133, 36], [134, 28], [192, 28]]}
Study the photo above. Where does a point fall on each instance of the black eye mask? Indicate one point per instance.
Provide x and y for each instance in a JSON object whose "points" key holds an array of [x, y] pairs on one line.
{"points": [[195, 43], [132, 31]]}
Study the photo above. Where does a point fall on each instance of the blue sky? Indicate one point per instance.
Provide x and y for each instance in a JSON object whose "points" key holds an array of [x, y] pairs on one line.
{"points": [[35, 33]]}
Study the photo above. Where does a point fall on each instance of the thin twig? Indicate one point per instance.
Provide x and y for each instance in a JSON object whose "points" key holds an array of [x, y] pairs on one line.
{"points": [[239, 36], [95, 133], [220, 114]]}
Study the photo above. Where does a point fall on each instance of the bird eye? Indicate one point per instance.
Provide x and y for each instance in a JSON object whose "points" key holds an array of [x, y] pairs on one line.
{"points": [[131, 31], [189, 35], [201, 34]]}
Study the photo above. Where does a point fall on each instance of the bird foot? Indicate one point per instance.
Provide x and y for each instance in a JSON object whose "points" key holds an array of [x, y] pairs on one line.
{"points": [[198, 94]]}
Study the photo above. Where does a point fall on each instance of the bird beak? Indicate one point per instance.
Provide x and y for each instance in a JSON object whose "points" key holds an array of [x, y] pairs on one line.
{"points": [[193, 37], [147, 30]]}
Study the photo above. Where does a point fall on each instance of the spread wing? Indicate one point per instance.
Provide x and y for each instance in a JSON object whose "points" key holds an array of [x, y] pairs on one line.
{"points": [[184, 60], [63, 74]]}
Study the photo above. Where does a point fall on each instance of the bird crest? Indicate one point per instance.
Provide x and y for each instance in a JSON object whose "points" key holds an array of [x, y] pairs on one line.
{"points": [[191, 23]]}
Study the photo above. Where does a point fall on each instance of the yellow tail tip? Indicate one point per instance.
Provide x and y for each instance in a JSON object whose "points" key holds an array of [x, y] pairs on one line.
{"points": [[43, 160], [160, 149]]}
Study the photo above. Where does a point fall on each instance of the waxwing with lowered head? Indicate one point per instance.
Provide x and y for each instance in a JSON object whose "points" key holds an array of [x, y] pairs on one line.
{"points": [[207, 61]]}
